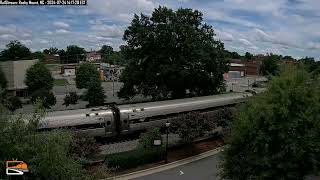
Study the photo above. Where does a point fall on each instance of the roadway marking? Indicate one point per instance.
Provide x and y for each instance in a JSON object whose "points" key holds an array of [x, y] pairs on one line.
{"points": [[181, 173]]}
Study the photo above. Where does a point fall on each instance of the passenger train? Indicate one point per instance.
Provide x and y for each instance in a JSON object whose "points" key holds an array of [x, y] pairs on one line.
{"points": [[125, 119]]}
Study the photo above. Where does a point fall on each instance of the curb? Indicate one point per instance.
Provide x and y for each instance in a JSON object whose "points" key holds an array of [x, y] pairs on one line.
{"points": [[164, 167]]}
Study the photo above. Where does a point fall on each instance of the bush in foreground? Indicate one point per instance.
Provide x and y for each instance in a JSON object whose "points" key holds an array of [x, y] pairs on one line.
{"points": [[277, 134]]}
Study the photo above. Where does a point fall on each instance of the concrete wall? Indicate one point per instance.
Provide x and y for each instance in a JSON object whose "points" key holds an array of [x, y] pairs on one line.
{"points": [[15, 72], [7, 69]]}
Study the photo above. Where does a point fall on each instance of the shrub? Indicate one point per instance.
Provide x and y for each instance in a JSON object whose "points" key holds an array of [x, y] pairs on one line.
{"points": [[14, 103], [132, 159], [190, 126], [83, 147], [71, 98], [47, 98], [146, 139]]}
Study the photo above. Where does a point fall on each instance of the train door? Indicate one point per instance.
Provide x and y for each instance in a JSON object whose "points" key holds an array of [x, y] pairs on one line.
{"points": [[109, 125]]}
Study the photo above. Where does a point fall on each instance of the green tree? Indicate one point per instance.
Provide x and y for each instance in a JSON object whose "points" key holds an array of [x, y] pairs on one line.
{"points": [[74, 54], [311, 66], [191, 125], [95, 94], [3, 80], [46, 98], [146, 140], [52, 50], [270, 65], [85, 74], [276, 135], [106, 51], [170, 53], [15, 51], [38, 77], [47, 153], [71, 98], [38, 55], [248, 56]]}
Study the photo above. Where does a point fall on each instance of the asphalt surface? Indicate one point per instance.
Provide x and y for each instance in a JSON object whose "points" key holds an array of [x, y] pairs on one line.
{"points": [[204, 169]]}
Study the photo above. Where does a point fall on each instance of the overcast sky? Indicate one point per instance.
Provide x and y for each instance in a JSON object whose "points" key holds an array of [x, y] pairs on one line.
{"points": [[288, 27]]}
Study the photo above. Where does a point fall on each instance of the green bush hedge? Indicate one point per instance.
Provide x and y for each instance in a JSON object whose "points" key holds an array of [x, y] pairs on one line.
{"points": [[131, 159]]}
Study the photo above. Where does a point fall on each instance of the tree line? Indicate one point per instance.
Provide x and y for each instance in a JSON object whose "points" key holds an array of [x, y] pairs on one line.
{"points": [[15, 51]]}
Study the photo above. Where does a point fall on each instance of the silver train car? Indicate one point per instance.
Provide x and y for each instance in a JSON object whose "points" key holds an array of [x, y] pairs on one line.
{"points": [[124, 119]]}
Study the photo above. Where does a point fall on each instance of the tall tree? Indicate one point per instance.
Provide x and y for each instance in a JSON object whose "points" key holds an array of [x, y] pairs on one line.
{"points": [[84, 74], [270, 65], [15, 51], [40, 82], [74, 53], [248, 56], [38, 77], [276, 135], [170, 53], [52, 50], [95, 94], [106, 52], [87, 76], [38, 55]]}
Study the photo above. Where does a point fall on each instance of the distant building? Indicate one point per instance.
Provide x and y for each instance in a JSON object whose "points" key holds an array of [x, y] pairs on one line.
{"points": [[93, 56], [240, 68], [15, 73], [68, 69]]}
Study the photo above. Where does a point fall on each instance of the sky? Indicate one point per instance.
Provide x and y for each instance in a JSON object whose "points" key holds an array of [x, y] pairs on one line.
{"points": [[287, 27]]}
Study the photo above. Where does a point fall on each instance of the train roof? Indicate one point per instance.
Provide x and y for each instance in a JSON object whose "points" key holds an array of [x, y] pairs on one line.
{"points": [[148, 104], [185, 100]]}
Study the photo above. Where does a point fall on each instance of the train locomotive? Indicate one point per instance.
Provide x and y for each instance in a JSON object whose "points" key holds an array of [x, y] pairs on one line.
{"points": [[124, 119]]}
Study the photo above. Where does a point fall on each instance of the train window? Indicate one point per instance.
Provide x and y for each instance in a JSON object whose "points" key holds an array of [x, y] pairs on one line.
{"points": [[125, 121], [108, 123]]}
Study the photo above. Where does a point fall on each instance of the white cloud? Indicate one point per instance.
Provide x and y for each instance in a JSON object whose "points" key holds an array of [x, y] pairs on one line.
{"points": [[222, 16], [48, 32], [8, 37], [10, 29], [43, 41], [60, 24], [108, 30], [62, 31], [245, 42]]}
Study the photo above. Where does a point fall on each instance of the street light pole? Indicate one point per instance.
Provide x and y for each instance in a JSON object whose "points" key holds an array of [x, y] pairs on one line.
{"points": [[167, 128]]}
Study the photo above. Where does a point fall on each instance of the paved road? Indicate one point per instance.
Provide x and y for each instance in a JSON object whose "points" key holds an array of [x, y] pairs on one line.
{"points": [[204, 169]]}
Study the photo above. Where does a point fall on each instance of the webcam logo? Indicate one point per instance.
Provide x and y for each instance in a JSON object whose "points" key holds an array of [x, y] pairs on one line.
{"points": [[15, 167]]}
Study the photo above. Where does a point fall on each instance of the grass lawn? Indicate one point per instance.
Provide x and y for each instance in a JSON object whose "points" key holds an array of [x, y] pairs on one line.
{"points": [[60, 82], [53, 67]]}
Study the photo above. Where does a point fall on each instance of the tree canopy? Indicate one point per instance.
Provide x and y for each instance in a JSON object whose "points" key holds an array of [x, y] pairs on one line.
{"points": [[38, 77], [85, 73], [106, 51], [276, 135], [270, 65], [248, 56], [73, 54], [15, 51], [172, 53], [95, 94]]}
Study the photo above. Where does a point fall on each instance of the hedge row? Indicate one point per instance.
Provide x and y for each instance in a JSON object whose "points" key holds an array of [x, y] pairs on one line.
{"points": [[135, 158]]}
